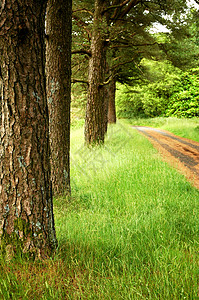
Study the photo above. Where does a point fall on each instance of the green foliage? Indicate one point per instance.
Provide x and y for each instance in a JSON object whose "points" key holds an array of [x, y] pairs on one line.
{"points": [[78, 102], [185, 102], [181, 45], [151, 97], [165, 91]]}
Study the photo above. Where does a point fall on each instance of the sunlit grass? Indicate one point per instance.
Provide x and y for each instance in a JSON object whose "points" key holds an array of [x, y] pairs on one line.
{"points": [[129, 231]]}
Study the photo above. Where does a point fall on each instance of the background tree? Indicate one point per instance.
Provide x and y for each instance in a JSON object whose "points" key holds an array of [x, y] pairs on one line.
{"points": [[1, 90], [181, 43], [162, 87], [118, 23], [94, 123], [26, 212], [111, 100], [58, 70], [81, 37]]}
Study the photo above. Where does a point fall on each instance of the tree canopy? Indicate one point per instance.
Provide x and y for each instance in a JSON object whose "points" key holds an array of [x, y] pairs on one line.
{"points": [[128, 38]]}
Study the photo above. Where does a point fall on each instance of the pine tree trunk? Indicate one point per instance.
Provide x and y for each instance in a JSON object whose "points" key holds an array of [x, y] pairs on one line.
{"points": [[26, 213], [1, 92], [94, 124], [58, 70], [111, 102], [106, 101]]}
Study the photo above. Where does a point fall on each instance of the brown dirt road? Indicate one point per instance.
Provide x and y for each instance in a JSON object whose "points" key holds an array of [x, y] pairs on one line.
{"points": [[179, 152]]}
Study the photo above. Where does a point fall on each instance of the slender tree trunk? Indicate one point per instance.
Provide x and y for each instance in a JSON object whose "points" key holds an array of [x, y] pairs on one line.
{"points": [[106, 100], [58, 70], [111, 101], [94, 124], [26, 213], [1, 92]]}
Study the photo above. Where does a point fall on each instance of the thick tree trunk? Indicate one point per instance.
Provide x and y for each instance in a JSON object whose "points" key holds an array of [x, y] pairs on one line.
{"points": [[94, 124], [26, 213], [58, 70], [111, 102]]}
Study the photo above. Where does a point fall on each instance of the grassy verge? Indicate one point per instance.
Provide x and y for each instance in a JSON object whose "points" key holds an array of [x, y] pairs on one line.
{"points": [[129, 231], [188, 128]]}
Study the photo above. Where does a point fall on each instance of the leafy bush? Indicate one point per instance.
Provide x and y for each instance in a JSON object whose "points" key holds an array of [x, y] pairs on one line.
{"points": [[148, 100], [126, 104], [186, 102], [170, 94]]}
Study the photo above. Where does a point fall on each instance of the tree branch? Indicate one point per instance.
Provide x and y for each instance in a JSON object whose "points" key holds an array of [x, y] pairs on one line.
{"points": [[115, 6], [79, 80], [108, 80], [83, 10], [82, 51], [127, 45], [125, 11], [128, 8], [114, 74], [83, 25], [123, 63]]}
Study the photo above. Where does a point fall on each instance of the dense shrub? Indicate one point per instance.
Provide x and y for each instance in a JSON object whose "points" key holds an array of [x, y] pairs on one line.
{"points": [[149, 100], [172, 94], [185, 103]]}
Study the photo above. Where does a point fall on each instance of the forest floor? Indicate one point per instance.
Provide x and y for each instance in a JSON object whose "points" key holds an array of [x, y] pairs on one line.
{"points": [[180, 152]]}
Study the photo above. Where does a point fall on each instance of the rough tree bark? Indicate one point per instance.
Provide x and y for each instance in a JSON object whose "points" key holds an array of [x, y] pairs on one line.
{"points": [[94, 123], [26, 212], [1, 90], [106, 15], [106, 95], [111, 101], [58, 70]]}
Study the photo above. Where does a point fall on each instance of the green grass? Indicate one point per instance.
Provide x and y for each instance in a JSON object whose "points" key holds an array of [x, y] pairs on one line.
{"points": [[129, 231], [188, 128]]}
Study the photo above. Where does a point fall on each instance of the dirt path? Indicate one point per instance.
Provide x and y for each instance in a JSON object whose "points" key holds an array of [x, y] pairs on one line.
{"points": [[179, 152]]}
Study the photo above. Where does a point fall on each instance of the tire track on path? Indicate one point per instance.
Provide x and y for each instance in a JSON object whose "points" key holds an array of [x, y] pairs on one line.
{"points": [[179, 152]]}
